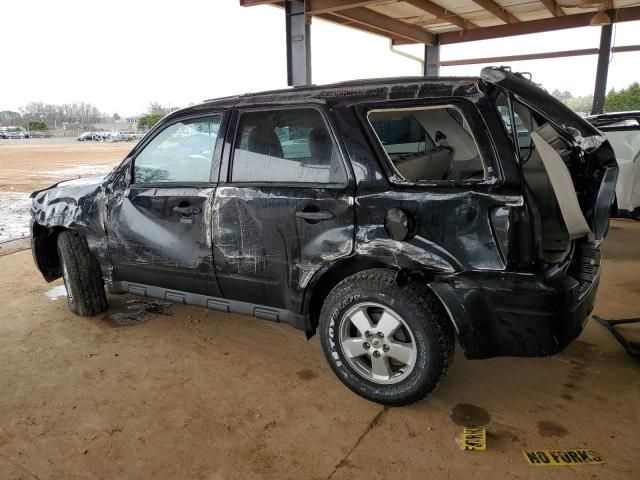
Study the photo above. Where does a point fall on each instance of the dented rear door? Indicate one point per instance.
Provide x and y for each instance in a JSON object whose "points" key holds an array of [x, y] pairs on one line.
{"points": [[281, 211]]}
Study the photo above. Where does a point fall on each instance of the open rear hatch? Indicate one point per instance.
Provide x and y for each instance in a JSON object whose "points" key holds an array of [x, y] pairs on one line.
{"points": [[568, 165]]}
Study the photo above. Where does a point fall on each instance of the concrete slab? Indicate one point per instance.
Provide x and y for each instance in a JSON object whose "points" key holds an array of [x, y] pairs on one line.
{"points": [[205, 395]]}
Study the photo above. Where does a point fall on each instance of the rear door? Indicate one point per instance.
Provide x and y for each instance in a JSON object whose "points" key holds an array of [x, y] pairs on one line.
{"points": [[158, 222], [284, 206]]}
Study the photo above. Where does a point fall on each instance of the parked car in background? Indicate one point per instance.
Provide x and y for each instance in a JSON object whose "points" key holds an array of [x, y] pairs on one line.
{"points": [[117, 137], [389, 216], [89, 137], [12, 132], [40, 134], [623, 131]]}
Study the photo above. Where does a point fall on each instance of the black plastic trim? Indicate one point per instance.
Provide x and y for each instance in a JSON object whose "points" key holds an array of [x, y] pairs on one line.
{"points": [[213, 303]]}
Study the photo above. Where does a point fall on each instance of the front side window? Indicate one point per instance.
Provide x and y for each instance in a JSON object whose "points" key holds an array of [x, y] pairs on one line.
{"points": [[286, 146], [428, 143], [182, 152]]}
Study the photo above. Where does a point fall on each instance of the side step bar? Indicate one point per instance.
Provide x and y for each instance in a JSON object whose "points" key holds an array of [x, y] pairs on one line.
{"points": [[212, 303]]}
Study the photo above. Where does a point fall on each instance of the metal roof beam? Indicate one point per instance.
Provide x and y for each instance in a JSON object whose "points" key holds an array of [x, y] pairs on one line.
{"points": [[536, 56], [497, 10], [442, 14], [389, 26]]}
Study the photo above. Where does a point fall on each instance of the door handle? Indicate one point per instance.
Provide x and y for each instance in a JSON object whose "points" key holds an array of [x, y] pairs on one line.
{"points": [[186, 211], [315, 216]]}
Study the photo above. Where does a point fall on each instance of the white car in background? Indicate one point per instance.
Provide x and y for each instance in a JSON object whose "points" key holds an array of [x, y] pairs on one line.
{"points": [[623, 132]]}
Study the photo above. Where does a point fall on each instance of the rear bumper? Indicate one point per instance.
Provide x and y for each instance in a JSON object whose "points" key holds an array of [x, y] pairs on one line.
{"points": [[519, 314]]}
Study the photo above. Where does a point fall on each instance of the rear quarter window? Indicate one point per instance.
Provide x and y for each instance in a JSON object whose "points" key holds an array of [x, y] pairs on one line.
{"points": [[428, 144]]}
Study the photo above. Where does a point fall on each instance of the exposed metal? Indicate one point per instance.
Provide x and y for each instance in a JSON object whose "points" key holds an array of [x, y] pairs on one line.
{"points": [[632, 347]]}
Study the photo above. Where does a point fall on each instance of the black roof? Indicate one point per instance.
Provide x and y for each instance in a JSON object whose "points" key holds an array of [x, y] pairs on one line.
{"points": [[346, 92]]}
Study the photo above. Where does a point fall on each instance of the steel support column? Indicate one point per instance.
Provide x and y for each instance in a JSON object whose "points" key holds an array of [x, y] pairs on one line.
{"points": [[431, 60], [604, 53], [298, 44]]}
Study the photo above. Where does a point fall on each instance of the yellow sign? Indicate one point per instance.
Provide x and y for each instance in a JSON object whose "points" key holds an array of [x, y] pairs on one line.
{"points": [[555, 458], [474, 439]]}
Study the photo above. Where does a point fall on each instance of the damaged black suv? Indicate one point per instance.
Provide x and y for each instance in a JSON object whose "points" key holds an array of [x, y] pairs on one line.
{"points": [[391, 215]]}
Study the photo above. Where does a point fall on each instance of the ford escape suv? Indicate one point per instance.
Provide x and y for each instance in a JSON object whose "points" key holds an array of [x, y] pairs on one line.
{"points": [[391, 216]]}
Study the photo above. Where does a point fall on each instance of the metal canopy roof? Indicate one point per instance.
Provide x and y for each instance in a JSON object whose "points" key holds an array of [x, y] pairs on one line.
{"points": [[433, 22]]}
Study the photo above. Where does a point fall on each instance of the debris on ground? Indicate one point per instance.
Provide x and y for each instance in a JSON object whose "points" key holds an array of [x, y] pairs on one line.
{"points": [[473, 439], [136, 312], [54, 293]]}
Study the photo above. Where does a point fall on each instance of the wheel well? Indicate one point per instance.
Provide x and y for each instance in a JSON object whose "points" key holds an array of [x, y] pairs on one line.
{"points": [[325, 282], [330, 278], [45, 250]]}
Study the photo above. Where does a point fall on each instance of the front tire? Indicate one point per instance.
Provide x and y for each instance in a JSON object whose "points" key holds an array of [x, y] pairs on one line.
{"points": [[82, 276], [389, 344]]}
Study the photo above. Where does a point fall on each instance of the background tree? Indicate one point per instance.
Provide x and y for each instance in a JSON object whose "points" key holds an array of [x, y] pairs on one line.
{"points": [[155, 107], [37, 126], [149, 120], [77, 114], [9, 118], [577, 104], [623, 100]]}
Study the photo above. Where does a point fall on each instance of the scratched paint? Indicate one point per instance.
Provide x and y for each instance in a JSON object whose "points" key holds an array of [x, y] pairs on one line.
{"points": [[475, 245]]}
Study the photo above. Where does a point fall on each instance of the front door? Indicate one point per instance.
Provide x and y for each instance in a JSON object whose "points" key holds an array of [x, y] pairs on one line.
{"points": [[284, 209], [158, 225]]}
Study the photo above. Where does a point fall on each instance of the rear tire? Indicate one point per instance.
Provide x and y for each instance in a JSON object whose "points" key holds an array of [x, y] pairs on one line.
{"points": [[82, 276], [407, 344]]}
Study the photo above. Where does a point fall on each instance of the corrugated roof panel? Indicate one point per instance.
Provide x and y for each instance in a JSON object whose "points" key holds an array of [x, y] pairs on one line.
{"points": [[397, 10], [525, 16]]}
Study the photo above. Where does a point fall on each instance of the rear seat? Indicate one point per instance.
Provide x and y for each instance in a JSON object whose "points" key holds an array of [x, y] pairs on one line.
{"points": [[432, 165]]}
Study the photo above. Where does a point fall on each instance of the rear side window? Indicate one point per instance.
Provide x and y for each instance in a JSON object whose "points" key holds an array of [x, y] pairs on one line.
{"points": [[428, 143], [286, 146]]}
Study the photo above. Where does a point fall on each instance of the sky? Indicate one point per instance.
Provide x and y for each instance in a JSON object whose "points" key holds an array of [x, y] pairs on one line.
{"points": [[121, 55]]}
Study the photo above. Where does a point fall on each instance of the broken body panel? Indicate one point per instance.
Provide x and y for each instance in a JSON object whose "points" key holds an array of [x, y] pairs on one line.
{"points": [[623, 132], [276, 250]]}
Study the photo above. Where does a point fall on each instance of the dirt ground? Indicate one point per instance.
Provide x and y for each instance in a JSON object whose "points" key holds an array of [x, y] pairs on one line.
{"points": [[204, 395], [28, 165]]}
